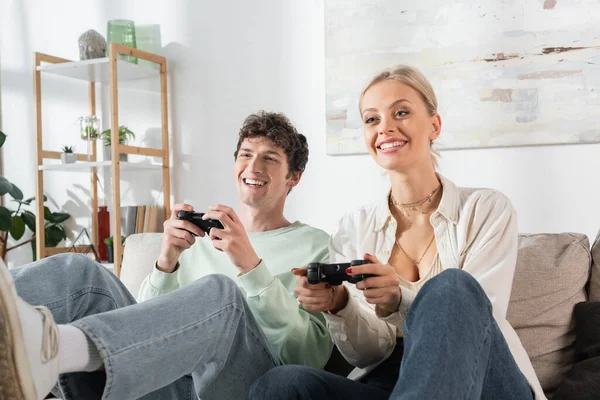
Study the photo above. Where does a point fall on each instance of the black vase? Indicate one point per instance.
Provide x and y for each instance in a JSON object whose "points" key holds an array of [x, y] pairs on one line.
{"points": [[109, 254]]}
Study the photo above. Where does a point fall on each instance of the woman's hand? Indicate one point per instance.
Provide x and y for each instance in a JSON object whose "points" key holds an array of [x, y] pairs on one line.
{"points": [[382, 290], [320, 297]]}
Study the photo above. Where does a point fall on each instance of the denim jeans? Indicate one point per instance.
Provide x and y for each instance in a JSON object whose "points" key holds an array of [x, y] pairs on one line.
{"points": [[452, 349], [200, 341]]}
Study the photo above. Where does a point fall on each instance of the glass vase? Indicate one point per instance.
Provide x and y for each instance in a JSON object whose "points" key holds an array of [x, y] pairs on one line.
{"points": [[148, 39], [122, 31]]}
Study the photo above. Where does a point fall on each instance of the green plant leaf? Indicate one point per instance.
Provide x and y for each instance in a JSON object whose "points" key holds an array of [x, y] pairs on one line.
{"points": [[47, 213], [5, 219], [57, 217], [124, 135], [29, 219], [2, 138], [5, 186], [17, 230], [29, 200], [15, 192], [54, 234], [24, 202]]}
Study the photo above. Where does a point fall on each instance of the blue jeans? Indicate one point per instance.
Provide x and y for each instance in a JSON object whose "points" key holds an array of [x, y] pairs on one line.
{"points": [[199, 341], [452, 349]]}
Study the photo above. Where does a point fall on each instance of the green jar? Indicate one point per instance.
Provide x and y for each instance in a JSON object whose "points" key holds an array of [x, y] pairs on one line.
{"points": [[122, 31]]}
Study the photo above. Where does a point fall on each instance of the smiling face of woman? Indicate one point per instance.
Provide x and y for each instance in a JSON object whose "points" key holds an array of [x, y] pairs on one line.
{"points": [[398, 127]]}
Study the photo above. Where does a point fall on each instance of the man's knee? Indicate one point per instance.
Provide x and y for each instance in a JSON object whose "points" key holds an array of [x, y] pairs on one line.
{"points": [[74, 264], [218, 286], [66, 268], [53, 280]]}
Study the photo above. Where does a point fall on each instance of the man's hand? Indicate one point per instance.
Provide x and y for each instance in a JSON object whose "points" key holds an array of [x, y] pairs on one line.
{"points": [[320, 297], [176, 238], [232, 239], [382, 290]]}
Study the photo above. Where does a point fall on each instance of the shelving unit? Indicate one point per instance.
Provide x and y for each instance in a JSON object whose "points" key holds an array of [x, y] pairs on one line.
{"points": [[88, 166], [110, 71]]}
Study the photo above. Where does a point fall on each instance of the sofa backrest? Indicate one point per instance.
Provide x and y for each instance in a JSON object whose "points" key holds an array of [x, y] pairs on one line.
{"points": [[141, 251], [550, 278]]}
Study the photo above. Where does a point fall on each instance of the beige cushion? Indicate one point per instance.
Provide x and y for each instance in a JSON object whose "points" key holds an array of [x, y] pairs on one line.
{"points": [[141, 251], [594, 290], [552, 271]]}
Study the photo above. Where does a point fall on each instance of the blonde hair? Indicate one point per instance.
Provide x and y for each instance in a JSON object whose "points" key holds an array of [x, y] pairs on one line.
{"points": [[415, 79]]}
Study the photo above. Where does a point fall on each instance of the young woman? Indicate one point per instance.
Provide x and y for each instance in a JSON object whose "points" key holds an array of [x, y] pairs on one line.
{"points": [[432, 323]]}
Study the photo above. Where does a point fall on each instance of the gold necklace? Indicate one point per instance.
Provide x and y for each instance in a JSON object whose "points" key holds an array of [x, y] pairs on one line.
{"points": [[413, 206], [412, 260]]}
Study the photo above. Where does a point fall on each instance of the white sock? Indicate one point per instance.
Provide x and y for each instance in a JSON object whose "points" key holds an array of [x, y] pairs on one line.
{"points": [[76, 353]]}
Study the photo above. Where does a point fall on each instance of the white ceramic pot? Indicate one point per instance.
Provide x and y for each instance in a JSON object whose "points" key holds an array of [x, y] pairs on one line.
{"points": [[68, 158], [107, 155]]}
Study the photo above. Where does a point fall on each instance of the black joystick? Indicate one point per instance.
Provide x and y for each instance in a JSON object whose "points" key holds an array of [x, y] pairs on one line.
{"points": [[335, 274], [196, 219]]}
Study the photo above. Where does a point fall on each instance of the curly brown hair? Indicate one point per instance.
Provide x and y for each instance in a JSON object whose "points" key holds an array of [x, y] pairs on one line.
{"points": [[278, 129]]}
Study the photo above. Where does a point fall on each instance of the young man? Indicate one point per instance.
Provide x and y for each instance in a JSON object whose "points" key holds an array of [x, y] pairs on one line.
{"points": [[209, 338]]}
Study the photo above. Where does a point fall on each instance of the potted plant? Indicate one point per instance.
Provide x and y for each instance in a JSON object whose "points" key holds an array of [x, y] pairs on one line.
{"points": [[88, 127], [68, 155], [14, 223], [124, 135], [109, 247]]}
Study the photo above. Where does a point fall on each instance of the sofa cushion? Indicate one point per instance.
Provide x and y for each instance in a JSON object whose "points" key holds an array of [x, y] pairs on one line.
{"points": [[141, 251], [551, 274], [582, 382], [594, 289]]}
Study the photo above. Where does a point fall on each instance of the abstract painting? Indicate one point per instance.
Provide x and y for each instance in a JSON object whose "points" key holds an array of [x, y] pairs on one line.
{"points": [[506, 73]]}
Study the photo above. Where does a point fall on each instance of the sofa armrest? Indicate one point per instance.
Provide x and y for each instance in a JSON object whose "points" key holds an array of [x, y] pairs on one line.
{"points": [[141, 251]]}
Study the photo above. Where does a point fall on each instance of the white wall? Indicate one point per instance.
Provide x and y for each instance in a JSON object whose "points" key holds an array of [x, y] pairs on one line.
{"points": [[553, 188], [231, 58]]}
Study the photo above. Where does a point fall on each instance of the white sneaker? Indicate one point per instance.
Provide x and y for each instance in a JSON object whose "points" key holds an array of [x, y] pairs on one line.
{"points": [[28, 346]]}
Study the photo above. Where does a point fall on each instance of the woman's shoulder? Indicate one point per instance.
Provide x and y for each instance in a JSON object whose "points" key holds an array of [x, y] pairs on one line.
{"points": [[479, 196], [484, 202]]}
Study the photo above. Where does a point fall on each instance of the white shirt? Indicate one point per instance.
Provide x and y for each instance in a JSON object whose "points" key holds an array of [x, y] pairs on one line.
{"points": [[475, 230]]}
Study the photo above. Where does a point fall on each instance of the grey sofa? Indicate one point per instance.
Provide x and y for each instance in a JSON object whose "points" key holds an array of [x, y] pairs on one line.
{"points": [[554, 273]]}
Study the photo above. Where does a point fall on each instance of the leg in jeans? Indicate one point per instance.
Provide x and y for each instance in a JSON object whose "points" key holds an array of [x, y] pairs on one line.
{"points": [[204, 329], [72, 286], [300, 382], [453, 348], [152, 350], [297, 382]]}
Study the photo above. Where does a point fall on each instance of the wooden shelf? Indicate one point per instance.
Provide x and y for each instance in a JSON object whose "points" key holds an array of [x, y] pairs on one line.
{"points": [[87, 166], [98, 70], [111, 71]]}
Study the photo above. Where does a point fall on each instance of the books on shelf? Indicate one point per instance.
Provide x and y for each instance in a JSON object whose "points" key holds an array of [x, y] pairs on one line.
{"points": [[141, 219]]}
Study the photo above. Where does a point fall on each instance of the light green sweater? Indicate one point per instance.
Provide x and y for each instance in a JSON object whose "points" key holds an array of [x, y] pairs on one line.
{"points": [[296, 335]]}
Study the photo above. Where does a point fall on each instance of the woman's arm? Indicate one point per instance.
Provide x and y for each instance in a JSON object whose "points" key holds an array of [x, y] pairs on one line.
{"points": [[490, 244], [362, 338]]}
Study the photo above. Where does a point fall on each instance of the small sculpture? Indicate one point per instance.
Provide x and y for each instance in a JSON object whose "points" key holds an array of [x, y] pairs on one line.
{"points": [[91, 45]]}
